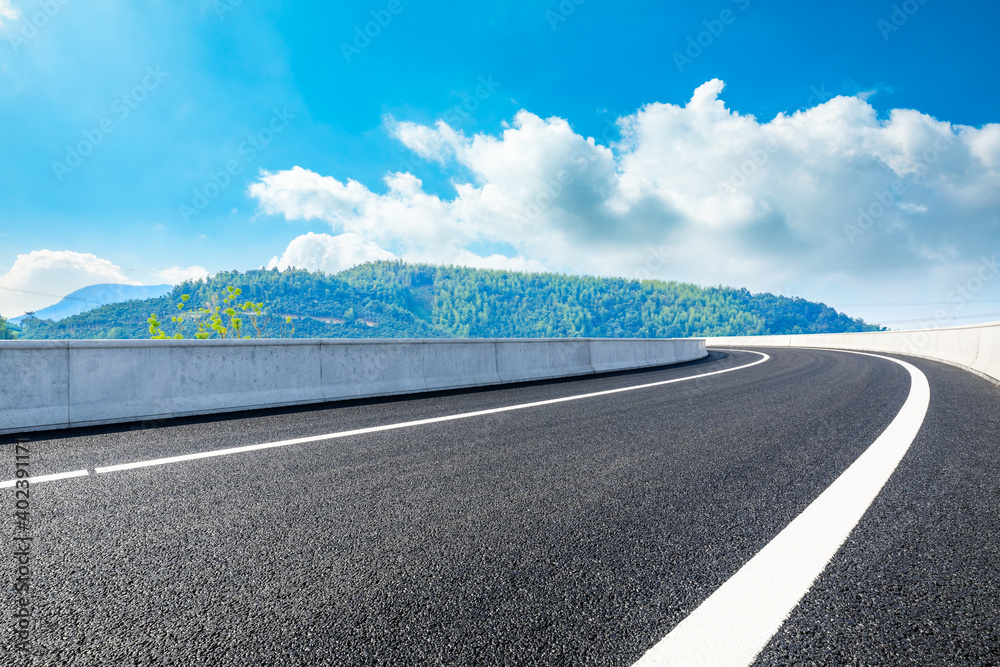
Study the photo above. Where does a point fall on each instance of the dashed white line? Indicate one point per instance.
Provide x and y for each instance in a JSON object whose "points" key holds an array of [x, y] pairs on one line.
{"points": [[391, 427], [737, 621]]}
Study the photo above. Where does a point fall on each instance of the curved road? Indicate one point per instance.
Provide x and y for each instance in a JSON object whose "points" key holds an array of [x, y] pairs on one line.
{"points": [[569, 532]]}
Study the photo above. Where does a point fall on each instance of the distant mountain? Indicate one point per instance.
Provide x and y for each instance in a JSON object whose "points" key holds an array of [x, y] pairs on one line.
{"points": [[398, 300], [96, 296]]}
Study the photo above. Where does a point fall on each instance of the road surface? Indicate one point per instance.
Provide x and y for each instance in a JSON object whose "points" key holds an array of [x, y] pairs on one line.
{"points": [[510, 526]]}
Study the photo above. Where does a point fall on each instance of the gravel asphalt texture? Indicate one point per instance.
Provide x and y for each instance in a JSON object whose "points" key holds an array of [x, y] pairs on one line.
{"points": [[574, 533]]}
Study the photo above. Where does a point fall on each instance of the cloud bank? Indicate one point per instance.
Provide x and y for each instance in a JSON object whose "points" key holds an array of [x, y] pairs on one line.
{"points": [[42, 277], [834, 201], [330, 254], [175, 275]]}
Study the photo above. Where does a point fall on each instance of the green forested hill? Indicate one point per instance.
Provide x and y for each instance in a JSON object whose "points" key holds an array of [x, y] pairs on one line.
{"points": [[393, 299], [7, 332]]}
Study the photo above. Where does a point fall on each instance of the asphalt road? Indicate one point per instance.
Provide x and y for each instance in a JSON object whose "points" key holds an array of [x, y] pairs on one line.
{"points": [[577, 532]]}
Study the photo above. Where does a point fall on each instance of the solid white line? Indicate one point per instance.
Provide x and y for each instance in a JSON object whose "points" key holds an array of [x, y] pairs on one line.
{"points": [[46, 478], [738, 620], [420, 422]]}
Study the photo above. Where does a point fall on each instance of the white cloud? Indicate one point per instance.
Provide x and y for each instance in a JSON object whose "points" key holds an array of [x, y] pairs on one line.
{"points": [[498, 262], [832, 202], [42, 277], [910, 207], [430, 144], [8, 11], [175, 275], [330, 254]]}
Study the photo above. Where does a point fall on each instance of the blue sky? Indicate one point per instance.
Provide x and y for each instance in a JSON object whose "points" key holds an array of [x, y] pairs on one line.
{"points": [[490, 107]]}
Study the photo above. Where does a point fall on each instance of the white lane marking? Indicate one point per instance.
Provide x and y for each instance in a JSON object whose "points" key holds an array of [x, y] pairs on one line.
{"points": [[419, 422], [401, 425], [738, 620], [46, 478]]}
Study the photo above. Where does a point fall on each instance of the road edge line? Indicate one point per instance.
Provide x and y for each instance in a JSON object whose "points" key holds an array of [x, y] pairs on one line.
{"points": [[734, 624]]}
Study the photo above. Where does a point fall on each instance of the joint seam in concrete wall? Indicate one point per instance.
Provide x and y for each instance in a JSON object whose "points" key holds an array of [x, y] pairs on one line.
{"points": [[69, 383]]}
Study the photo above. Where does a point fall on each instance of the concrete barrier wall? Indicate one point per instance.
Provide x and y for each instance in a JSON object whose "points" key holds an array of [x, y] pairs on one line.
{"points": [[975, 347], [60, 384]]}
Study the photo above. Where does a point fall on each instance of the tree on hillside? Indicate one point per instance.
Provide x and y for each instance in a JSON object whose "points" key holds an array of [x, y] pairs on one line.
{"points": [[7, 331], [397, 300]]}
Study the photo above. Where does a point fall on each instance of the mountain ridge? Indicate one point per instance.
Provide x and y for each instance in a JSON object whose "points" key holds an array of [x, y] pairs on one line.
{"points": [[392, 299], [95, 296]]}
